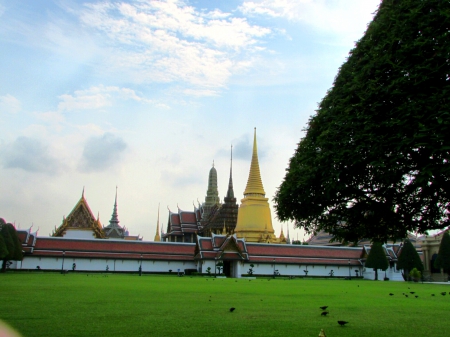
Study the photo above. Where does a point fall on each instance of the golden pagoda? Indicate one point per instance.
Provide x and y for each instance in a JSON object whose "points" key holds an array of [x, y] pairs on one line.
{"points": [[254, 222]]}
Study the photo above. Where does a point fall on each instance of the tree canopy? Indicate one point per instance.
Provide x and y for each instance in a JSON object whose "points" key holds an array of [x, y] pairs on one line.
{"points": [[409, 259], [374, 162], [443, 258], [12, 244], [377, 258]]}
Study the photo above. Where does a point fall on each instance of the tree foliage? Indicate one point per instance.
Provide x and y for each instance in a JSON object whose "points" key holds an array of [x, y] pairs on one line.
{"points": [[443, 258], [377, 258], [409, 259], [12, 244], [374, 162]]}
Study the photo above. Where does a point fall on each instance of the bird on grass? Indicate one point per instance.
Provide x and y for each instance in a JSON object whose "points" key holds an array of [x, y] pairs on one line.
{"points": [[391, 294], [342, 323], [416, 296], [443, 293], [324, 313], [432, 294], [406, 295], [324, 307], [232, 309], [412, 292]]}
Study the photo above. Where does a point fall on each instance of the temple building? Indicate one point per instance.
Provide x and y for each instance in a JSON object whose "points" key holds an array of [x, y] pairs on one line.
{"points": [[254, 222], [182, 226], [81, 224], [222, 218]]}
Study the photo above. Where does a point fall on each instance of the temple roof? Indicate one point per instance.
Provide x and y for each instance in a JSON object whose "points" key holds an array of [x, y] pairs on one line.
{"points": [[80, 218], [254, 182]]}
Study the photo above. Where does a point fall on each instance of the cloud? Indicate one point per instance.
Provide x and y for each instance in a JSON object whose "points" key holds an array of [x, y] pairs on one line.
{"points": [[31, 155], [169, 41], [97, 98], [340, 17], [102, 153], [9, 104]]}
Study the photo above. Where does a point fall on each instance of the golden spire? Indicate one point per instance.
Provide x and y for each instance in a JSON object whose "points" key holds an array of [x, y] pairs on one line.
{"points": [[224, 231], [157, 236], [254, 182]]}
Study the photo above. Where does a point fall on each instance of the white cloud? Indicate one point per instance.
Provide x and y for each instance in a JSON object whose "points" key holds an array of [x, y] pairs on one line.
{"points": [[340, 17], [97, 98], [169, 41], [9, 104]]}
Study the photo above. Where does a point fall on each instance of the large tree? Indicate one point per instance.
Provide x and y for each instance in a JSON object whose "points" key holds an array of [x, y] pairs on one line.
{"points": [[374, 162], [409, 259], [443, 258], [377, 258], [12, 243]]}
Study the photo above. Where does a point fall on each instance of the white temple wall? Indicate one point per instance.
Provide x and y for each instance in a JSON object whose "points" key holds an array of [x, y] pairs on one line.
{"points": [[392, 273], [298, 270], [118, 265]]}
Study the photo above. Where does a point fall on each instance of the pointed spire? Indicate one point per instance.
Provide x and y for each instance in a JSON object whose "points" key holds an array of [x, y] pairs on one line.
{"points": [[82, 194], [224, 231], [157, 236], [230, 192], [114, 216], [254, 182]]}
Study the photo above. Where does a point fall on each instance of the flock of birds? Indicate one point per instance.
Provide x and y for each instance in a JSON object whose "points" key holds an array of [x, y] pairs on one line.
{"points": [[443, 293], [325, 312]]}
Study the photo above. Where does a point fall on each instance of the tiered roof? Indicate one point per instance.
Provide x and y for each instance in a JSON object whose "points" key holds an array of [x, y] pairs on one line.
{"points": [[81, 218], [183, 222]]}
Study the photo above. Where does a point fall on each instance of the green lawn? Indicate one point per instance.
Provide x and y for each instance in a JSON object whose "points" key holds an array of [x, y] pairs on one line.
{"points": [[46, 304]]}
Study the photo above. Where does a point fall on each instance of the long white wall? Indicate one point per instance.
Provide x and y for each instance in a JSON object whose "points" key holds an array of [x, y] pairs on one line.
{"points": [[52, 263]]}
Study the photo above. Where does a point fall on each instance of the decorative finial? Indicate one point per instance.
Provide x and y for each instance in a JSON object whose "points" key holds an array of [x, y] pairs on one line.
{"points": [[213, 162], [82, 193]]}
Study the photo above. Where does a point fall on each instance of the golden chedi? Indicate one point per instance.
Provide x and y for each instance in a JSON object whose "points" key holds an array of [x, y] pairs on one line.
{"points": [[254, 222]]}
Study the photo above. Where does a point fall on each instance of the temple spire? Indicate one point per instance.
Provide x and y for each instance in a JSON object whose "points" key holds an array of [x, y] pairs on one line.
{"points": [[114, 216], [254, 182], [230, 192], [157, 236]]}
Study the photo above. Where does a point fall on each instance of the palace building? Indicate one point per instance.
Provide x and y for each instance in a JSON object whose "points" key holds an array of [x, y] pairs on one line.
{"points": [[215, 237]]}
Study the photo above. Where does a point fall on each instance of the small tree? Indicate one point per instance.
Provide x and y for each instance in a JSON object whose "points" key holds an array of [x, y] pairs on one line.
{"points": [[409, 259], [377, 258], [208, 270], [12, 244], [443, 258], [415, 274], [250, 271]]}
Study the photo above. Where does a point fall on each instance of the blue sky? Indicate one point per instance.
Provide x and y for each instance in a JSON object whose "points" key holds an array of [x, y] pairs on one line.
{"points": [[145, 95]]}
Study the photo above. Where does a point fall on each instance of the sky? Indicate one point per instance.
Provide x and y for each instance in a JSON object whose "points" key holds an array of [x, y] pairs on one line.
{"points": [[146, 95]]}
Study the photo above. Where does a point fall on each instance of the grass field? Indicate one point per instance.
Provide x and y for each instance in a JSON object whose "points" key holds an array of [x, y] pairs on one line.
{"points": [[46, 304]]}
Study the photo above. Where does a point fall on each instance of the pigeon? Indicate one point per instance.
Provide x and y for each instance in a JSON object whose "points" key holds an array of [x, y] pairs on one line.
{"points": [[232, 309], [443, 293], [324, 307], [324, 313], [416, 296], [391, 294], [412, 292], [406, 295], [342, 323], [432, 294]]}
